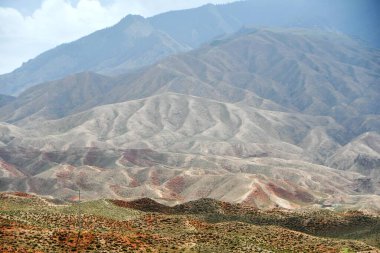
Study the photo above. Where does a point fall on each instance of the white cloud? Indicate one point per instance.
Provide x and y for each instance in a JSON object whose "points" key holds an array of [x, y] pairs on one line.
{"points": [[59, 21]]}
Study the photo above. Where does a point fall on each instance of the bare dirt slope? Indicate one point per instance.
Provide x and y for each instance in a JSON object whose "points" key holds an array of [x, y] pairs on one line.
{"points": [[267, 117]]}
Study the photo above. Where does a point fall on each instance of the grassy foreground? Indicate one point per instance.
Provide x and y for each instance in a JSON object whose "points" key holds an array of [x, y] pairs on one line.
{"points": [[33, 224]]}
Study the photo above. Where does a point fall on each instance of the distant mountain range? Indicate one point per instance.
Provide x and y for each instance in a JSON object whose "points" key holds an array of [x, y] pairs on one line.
{"points": [[136, 42], [269, 117]]}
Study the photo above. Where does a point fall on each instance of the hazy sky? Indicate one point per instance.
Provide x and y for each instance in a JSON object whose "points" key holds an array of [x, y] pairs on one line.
{"points": [[29, 27]]}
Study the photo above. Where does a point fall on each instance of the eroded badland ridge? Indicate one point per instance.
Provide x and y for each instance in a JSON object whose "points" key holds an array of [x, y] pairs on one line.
{"points": [[224, 121]]}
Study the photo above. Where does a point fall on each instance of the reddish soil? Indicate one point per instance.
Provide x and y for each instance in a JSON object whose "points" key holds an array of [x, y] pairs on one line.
{"points": [[10, 168], [138, 157], [176, 184], [257, 197]]}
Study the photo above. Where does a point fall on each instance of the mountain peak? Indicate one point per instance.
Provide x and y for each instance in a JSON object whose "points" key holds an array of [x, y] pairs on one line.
{"points": [[135, 25], [131, 18]]}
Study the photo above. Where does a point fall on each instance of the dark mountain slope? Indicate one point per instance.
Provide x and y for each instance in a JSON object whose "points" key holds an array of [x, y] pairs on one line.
{"points": [[5, 99]]}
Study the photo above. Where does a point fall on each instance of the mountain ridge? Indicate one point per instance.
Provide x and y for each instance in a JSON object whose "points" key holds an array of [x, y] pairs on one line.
{"points": [[268, 117], [211, 21], [321, 84], [130, 44]]}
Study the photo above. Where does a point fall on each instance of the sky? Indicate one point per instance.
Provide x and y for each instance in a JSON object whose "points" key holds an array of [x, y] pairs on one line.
{"points": [[30, 27]]}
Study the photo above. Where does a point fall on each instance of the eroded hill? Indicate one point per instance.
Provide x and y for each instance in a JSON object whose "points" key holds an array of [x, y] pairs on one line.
{"points": [[285, 117]]}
